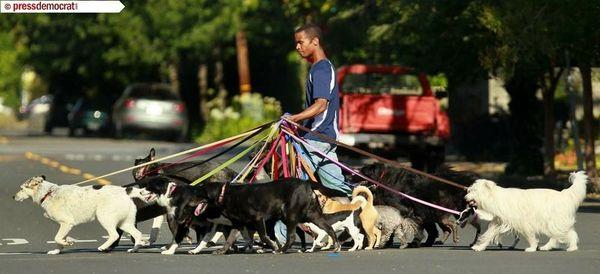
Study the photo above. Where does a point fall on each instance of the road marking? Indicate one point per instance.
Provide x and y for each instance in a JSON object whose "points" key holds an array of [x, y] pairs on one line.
{"points": [[3, 140], [75, 241], [64, 168], [123, 238], [16, 253], [15, 241]]}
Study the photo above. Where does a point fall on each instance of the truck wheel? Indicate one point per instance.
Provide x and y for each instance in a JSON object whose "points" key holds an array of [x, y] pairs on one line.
{"points": [[418, 158]]}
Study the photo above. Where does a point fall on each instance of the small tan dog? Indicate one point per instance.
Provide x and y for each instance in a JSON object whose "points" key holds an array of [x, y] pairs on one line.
{"points": [[362, 197]]}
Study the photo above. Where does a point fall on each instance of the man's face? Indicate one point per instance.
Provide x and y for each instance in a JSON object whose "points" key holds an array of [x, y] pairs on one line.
{"points": [[305, 46]]}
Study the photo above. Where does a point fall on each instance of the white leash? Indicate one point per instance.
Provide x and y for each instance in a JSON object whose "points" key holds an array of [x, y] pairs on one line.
{"points": [[170, 156]]}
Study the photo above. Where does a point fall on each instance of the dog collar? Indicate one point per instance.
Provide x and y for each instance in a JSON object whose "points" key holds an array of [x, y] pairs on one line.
{"points": [[45, 196]]}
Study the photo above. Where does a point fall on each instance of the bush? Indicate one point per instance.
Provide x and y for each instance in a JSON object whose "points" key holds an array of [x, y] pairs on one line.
{"points": [[246, 111]]}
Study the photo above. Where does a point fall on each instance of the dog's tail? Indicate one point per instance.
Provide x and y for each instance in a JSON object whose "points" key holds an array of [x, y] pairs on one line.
{"points": [[363, 191], [577, 189]]}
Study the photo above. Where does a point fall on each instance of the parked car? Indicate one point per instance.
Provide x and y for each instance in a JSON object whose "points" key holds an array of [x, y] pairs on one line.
{"points": [[60, 106], [36, 112], [89, 116], [392, 109], [150, 107]]}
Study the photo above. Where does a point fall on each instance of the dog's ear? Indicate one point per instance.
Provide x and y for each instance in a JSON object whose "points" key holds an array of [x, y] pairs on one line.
{"points": [[170, 189], [43, 177], [489, 184], [33, 182], [152, 154]]}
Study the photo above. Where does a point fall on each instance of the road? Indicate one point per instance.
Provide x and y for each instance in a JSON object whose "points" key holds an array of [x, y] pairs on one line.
{"points": [[25, 234]]}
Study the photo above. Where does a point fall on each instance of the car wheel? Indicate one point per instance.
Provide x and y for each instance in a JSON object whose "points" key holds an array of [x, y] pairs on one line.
{"points": [[435, 157], [118, 131], [418, 158], [72, 132], [48, 128]]}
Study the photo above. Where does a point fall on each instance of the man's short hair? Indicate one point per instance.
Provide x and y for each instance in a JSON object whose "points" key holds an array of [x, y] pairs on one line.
{"points": [[312, 31]]}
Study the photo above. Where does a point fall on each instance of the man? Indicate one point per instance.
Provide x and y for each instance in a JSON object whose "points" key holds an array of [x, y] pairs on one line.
{"points": [[320, 114], [321, 107]]}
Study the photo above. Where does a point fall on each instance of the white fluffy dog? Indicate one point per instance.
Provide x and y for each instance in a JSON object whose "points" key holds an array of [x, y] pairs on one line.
{"points": [[70, 205], [530, 212]]}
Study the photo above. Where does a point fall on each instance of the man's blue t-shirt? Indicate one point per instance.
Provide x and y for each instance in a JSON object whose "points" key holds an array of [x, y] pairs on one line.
{"points": [[321, 83]]}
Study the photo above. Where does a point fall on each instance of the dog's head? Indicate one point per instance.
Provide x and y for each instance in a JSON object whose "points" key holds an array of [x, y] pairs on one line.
{"points": [[479, 192], [140, 172], [30, 188], [198, 202], [372, 171], [156, 189]]}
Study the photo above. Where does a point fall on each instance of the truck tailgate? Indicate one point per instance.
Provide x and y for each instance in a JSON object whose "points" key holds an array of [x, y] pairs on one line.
{"points": [[387, 113]]}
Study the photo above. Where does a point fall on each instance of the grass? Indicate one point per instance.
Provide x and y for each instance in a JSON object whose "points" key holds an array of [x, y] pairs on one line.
{"points": [[10, 122]]}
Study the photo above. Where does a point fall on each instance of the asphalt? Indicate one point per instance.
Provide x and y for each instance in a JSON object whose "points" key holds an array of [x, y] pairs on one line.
{"points": [[25, 233]]}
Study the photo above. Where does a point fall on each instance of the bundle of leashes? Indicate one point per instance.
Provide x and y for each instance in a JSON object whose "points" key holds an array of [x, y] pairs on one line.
{"points": [[292, 151]]}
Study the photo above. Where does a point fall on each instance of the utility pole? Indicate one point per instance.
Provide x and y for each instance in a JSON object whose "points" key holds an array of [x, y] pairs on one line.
{"points": [[243, 63]]}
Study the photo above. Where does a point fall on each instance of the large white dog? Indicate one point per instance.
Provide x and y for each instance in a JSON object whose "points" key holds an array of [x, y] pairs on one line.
{"points": [[530, 212], [70, 205]]}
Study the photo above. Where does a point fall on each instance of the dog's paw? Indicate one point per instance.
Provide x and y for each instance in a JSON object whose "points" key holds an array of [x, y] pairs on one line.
{"points": [[219, 252], [194, 251], [53, 252], [545, 248], [260, 251], [134, 249], [164, 247], [531, 249], [368, 248], [168, 252], [103, 249], [572, 248], [478, 247]]}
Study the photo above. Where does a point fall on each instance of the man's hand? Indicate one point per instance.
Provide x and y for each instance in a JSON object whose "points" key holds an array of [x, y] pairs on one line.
{"points": [[288, 116]]}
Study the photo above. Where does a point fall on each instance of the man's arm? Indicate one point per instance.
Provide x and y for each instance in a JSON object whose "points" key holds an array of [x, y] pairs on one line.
{"points": [[315, 109]]}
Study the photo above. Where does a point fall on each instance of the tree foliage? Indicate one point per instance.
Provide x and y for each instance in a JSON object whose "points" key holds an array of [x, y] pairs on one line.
{"points": [[150, 40]]}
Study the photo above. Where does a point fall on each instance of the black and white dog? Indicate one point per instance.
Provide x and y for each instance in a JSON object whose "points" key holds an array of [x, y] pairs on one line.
{"points": [[185, 172], [290, 200], [171, 194]]}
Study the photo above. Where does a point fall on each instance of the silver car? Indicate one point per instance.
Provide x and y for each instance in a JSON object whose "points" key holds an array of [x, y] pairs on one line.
{"points": [[149, 108]]}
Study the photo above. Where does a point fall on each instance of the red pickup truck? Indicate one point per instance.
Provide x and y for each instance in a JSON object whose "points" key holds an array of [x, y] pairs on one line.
{"points": [[393, 110]]}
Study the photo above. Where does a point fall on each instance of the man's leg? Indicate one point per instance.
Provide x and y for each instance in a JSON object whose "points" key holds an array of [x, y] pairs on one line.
{"points": [[330, 173]]}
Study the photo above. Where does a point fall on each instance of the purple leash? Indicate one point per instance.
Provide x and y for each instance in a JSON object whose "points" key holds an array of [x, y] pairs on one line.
{"points": [[369, 179]]}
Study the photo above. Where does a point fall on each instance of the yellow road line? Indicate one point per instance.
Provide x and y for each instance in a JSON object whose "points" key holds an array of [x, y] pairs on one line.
{"points": [[63, 168]]}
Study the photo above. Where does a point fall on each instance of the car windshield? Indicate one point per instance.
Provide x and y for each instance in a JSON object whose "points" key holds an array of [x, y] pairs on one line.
{"points": [[154, 92], [374, 83]]}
